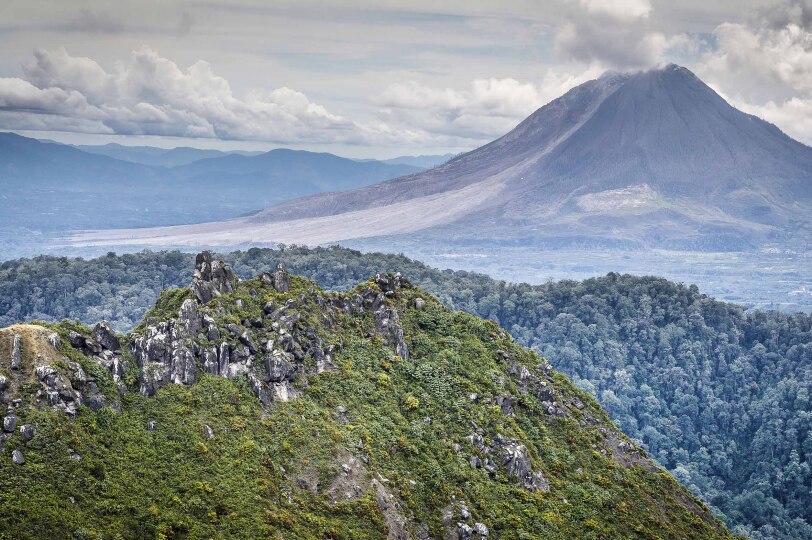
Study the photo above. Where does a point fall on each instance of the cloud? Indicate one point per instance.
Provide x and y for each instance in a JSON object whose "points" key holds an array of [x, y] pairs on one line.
{"points": [[150, 95], [146, 94], [612, 33], [487, 109], [782, 13], [185, 24], [95, 22], [764, 65], [794, 116], [619, 9], [761, 64]]}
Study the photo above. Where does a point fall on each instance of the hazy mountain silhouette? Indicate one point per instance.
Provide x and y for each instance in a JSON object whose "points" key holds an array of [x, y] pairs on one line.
{"points": [[56, 187], [150, 155]]}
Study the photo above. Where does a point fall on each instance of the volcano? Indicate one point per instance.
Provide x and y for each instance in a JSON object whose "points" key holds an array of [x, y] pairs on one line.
{"points": [[647, 159]]}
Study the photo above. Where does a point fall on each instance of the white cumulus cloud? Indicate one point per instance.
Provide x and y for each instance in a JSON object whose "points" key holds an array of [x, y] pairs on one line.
{"points": [[620, 9], [487, 109], [764, 66], [613, 33], [147, 94]]}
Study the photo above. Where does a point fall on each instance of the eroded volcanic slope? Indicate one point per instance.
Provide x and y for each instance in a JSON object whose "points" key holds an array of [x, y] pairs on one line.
{"points": [[654, 158], [268, 408]]}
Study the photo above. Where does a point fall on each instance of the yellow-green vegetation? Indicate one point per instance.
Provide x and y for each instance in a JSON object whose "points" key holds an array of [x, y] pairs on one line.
{"points": [[374, 443]]}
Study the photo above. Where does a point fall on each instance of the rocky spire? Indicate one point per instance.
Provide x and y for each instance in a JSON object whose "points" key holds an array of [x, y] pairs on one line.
{"points": [[211, 278], [279, 280]]}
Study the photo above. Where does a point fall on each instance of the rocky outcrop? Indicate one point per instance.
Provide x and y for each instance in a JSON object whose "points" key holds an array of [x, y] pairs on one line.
{"points": [[16, 353], [27, 432], [102, 345], [387, 320], [212, 278], [542, 387], [10, 422], [281, 278], [508, 456], [106, 337], [57, 390], [516, 462], [166, 351], [270, 351], [460, 524]]}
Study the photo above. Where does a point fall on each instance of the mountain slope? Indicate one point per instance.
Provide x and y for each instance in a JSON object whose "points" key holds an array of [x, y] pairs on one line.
{"points": [[654, 158], [268, 408]]}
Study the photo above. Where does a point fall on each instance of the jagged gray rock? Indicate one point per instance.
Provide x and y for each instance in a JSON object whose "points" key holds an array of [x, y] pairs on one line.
{"points": [[16, 353], [169, 351], [57, 390], [165, 351], [387, 322], [506, 404], [17, 457], [10, 423], [54, 340], [517, 463], [27, 432], [281, 278], [464, 531], [106, 337], [279, 366], [211, 278]]}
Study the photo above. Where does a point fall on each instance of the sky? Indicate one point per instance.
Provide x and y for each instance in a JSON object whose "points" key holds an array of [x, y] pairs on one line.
{"points": [[366, 78]]}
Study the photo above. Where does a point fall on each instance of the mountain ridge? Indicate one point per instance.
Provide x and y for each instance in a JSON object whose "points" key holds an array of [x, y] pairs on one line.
{"points": [[53, 187], [261, 407]]}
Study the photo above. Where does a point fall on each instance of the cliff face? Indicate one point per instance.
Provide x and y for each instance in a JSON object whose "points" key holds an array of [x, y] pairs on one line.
{"points": [[270, 408]]}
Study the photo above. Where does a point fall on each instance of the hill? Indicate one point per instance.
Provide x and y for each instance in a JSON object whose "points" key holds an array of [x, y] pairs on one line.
{"points": [[648, 159], [290, 172], [150, 155], [718, 395], [51, 189], [423, 161], [269, 408]]}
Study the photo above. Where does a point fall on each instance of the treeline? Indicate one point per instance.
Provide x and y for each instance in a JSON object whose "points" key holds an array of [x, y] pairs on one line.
{"points": [[719, 396]]}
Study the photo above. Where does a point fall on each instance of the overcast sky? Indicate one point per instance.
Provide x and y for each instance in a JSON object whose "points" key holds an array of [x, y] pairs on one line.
{"points": [[368, 78]]}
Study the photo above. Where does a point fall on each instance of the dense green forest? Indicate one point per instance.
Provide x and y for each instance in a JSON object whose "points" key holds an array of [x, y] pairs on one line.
{"points": [[718, 395]]}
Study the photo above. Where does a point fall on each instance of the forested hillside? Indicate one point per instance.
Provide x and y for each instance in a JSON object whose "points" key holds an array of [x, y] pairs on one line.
{"points": [[269, 408], [719, 396]]}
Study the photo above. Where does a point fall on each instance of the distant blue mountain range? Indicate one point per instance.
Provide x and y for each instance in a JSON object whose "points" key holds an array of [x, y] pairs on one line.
{"points": [[50, 187]]}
